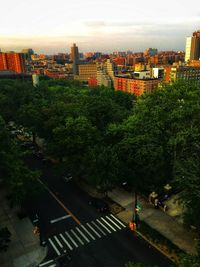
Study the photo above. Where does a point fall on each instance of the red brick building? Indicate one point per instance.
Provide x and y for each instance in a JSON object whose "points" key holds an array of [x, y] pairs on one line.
{"points": [[135, 86], [12, 61]]}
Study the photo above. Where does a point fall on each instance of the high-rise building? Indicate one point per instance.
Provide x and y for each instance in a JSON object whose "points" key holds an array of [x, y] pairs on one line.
{"points": [[12, 61], [27, 53], [192, 50], [75, 58]]}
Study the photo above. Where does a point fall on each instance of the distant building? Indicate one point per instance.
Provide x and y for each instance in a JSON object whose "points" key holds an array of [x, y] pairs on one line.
{"points": [[151, 52], [55, 74], [144, 74], [86, 71], [88, 54], [103, 78], [158, 73], [195, 63], [28, 52], [135, 86], [110, 69], [75, 58], [192, 51], [92, 82], [185, 73], [12, 61]]}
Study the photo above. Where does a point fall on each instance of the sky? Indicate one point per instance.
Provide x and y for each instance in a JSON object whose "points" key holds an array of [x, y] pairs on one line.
{"points": [[51, 26]]}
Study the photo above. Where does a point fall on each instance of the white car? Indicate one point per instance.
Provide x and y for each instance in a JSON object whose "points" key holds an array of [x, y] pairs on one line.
{"points": [[67, 177]]}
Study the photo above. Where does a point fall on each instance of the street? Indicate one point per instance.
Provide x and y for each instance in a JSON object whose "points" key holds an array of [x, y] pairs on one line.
{"points": [[70, 225]]}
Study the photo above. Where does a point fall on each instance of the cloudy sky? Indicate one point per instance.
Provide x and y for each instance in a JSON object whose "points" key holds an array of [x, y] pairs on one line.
{"points": [[50, 26]]}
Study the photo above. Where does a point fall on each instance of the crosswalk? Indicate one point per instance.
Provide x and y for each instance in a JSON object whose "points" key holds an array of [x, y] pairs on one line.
{"points": [[83, 235]]}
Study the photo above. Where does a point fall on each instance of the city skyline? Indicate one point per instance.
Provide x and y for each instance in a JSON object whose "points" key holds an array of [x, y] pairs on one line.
{"points": [[97, 25]]}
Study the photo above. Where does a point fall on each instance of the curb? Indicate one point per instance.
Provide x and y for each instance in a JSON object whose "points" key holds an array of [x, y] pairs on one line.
{"points": [[156, 247]]}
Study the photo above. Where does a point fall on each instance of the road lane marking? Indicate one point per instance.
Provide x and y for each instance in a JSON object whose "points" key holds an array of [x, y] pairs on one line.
{"points": [[118, 220], [98, 228], [94, 230], [58, 241], [54, 247], [66, 242], [60, 218], [68, 235], [54, 265], [113, 222], [45, 263], [82, 234], [82, 243], [60, 202], [108, 224], [88, 232], [103, 226]]}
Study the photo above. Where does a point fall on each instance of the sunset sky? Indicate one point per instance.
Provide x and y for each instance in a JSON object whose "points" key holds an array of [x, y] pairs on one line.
{"points": [[97, 25]]}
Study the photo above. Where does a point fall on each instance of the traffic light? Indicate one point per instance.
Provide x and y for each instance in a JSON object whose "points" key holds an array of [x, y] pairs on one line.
{"points": [[137, 208], [132, 225]]}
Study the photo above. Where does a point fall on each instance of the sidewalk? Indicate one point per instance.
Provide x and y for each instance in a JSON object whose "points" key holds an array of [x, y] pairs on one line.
{"points": [[155, 218], [24, 250]]}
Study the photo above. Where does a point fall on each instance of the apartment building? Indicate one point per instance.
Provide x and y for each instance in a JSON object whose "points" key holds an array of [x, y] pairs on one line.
{"points": [[12, 61], [135, 86]]}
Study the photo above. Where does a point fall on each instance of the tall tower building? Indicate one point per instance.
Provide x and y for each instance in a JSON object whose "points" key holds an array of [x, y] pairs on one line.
{"points": [[192, 50], [75, 58], [27, 53]]}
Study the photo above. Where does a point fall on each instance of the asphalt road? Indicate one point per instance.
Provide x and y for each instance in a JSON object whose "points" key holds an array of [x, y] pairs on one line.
{"points": [[90, 238]]}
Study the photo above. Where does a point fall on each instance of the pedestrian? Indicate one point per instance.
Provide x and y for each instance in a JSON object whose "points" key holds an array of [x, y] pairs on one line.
{"points": [[156, 202]]}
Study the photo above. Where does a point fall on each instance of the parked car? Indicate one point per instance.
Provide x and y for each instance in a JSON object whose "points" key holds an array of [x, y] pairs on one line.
{"points": [[67, 177], [99, 204], [126, 186]]}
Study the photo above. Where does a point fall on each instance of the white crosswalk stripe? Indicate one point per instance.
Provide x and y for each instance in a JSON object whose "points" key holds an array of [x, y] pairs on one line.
{"points": [[72, 240], [84, 234], [88, 232], [103, 226], [82, 243], [93, 230], [45, 263], [54, 247], [118, 220], [108, 224], [58, 241], [113, 222], [66, 242], [98, 228]]}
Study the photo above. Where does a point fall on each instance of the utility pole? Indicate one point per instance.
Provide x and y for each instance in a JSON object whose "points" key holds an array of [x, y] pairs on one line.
{"points": [[135, 215]]}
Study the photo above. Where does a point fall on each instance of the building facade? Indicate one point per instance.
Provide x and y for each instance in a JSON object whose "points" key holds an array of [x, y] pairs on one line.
{"points": [[192, 50], [75, 58], [185, 73], [86, 71], [103, 79], [135, 86], [12, 61]]}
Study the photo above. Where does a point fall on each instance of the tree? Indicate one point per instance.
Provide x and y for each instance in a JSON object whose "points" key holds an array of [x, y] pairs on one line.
{"points": [[4, 238], [19, 180], [71, 142], [137, 264], [103, 167], [188, 181], [163, 126]]}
